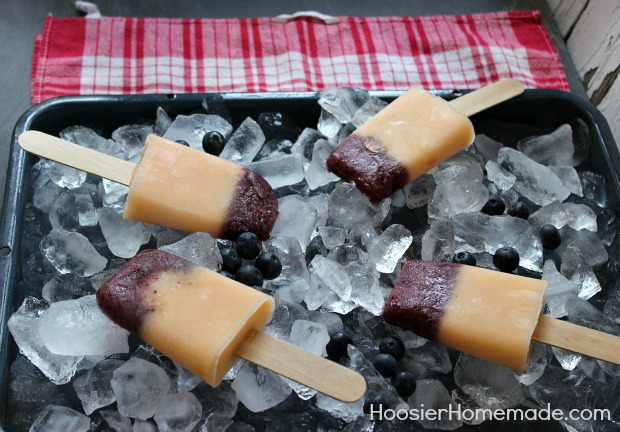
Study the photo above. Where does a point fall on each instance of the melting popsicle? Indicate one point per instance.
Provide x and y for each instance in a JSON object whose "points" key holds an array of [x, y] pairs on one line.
{"points": [[206, 322], [486, 313], [175, 186], [414, 133]]}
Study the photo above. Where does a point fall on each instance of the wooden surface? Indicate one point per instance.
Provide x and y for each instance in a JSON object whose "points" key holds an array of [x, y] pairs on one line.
{"points": [[581, 340], [486, 97], [76, 156], [591, 30], [316, 372], [22, 20]]}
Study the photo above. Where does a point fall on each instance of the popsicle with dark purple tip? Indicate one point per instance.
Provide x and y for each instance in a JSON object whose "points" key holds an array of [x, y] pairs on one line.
{"points": [[486, 313]]}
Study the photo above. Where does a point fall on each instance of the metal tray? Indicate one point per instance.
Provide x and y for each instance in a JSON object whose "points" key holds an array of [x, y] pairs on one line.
{"points": [[542, 110]]}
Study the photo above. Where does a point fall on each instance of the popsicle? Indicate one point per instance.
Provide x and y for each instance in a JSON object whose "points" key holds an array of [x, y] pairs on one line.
{"points": [[175, 186], [486, 313], [414, 133], [206, 322]]}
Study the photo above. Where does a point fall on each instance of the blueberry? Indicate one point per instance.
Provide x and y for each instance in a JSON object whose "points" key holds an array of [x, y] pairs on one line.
{"points": [[231, 261], [213, 143], [269, 265], [182, 142], [550, 236], [385, 364], [248, 245], [405, 384], [337, 346], [249, 275], [506, 259], [495, 206], [393, 346], [376, 403], [520, 210], [227, 274], [464, 258]]}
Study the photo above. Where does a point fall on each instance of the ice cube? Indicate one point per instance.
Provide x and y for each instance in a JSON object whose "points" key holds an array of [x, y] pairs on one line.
{"points": [[427, 360], [132, 137], [332, 236], [343, 102], [487, 147], [93, 388], [370, 108], [459, 189], [117, 421], [492, 386], [348, 207], [43, 197], [431, 394], [569, 178], [304, 145], [63, 213], [576, 216], [79, 328], [139, 387], [317, 175], [292, 257], [575, 268], [539, 359], [259, 389], [245, 143], [85, 206], [333, 275], [65, 176], [310, 336], [502, 178], [420, 191], [114, 194], [387, 249], [366, 291], [567, 359], [192, 128], [438, 241], [89, 138], [24, 327], [612, 305], [57, 418], [554, 149], [280, 171], [593, 186], [478, 232], [293, 292], [65, 287], [328, 125], [534, 181], [123, 236], [198, 248], [582, 313], [178, 412], [162, 121], [297, 219], [558, 291], [586, 242], [347, 411]]}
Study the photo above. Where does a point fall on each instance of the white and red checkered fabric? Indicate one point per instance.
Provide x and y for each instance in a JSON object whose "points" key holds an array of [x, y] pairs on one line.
{"points": [[115, 55]]}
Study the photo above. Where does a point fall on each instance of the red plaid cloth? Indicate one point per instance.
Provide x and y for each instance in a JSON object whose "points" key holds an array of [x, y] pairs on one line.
{"points": [[114, 55]]}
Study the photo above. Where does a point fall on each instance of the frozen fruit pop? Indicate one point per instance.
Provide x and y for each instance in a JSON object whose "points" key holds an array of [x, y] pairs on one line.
{"points": [[175, 186], [414, 133], [485, 313], [205, 322]]}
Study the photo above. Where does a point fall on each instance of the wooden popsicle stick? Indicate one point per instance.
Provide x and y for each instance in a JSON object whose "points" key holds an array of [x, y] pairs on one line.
{"points": [[578, 339], [77, 156], [313, 371], [486, 97]]}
